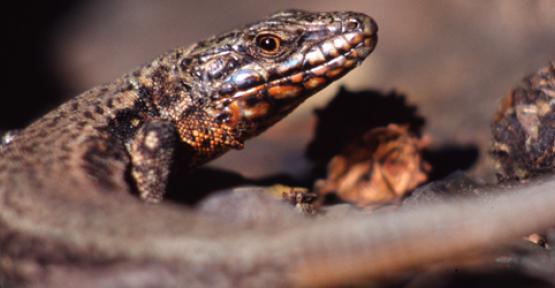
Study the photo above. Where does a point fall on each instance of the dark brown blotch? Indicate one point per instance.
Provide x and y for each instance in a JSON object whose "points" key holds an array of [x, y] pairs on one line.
{"points": [[88, 115], [110, 103], [65, 147], [99, 110], [53, 122], [82, 124], [42, 133], [74, 106]]}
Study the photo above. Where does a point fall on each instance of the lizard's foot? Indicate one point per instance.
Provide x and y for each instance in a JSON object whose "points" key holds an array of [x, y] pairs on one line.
{"points": [[151, 152]]}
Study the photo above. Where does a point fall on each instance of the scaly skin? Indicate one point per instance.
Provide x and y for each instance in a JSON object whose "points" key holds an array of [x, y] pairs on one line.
{"points": [[68, 217]]}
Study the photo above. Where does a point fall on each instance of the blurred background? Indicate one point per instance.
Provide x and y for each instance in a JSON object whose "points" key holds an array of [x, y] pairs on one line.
{"points": [[452, 59]]}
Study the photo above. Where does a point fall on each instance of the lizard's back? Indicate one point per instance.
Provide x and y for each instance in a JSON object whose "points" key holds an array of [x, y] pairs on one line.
{"points": [[71, 146]]}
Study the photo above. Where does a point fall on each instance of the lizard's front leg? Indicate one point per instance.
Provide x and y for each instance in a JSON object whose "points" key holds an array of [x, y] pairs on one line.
{"points": [[151, 151]]}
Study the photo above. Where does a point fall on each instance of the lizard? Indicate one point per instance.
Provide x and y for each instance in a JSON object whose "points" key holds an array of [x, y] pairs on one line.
{"points": [[69, 216], [202, 100]]}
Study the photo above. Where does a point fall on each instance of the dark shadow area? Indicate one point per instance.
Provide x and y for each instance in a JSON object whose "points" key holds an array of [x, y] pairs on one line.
{"points": [[351, 114], [450, 158], [189, 188], [33, 86], [478, 279]]}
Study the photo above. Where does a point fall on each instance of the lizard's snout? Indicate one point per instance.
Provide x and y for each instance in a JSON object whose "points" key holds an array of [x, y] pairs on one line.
{"points": [[361, 31], [359, 22]]}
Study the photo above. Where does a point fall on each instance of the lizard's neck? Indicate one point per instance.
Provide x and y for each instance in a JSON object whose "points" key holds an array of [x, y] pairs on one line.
{"points": [[168, 88]]}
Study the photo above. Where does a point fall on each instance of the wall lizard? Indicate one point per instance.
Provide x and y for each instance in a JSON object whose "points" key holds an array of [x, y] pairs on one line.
{"points": [[68, 215]]}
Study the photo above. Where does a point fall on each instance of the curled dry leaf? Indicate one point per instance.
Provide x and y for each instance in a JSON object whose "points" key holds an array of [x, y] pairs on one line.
{"points": [[382, 166]]}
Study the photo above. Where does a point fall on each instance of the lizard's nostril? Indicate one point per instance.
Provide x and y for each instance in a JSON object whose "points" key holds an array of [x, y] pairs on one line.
{"points": [[359, 22]]}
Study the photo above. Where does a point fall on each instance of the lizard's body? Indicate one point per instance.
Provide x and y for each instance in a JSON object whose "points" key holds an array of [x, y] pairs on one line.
{"points": [[67, 212]]}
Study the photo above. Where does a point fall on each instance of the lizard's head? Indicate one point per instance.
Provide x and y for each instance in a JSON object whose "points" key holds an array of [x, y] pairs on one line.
{"points": [[251, 77]]}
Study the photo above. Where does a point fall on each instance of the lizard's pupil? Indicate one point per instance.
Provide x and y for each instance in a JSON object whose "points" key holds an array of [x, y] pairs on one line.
{"points": [[269, 43]]}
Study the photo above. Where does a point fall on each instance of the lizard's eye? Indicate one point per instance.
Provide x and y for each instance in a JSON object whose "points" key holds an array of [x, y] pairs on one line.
{"points": [[268, 43]]}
